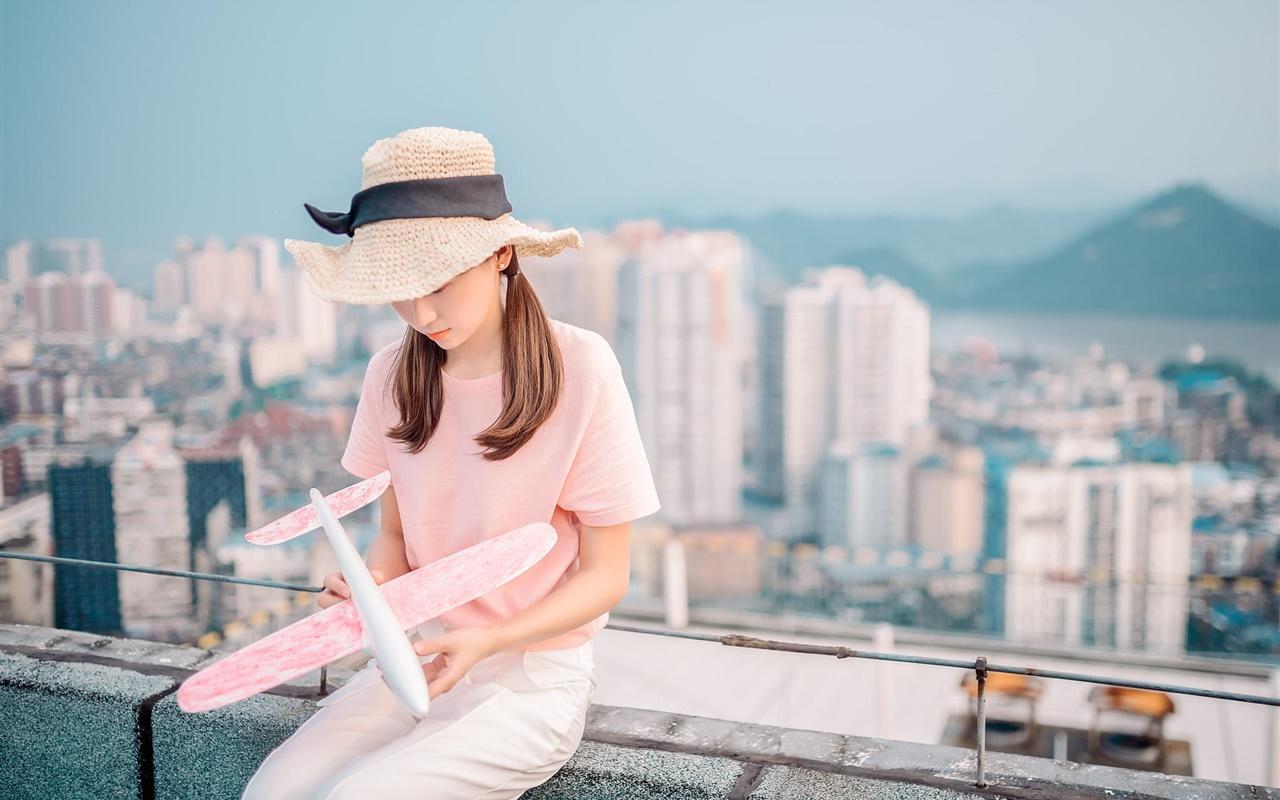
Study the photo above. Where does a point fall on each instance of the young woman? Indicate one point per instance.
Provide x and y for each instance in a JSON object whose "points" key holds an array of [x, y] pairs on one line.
{"points": [[489, 415]]}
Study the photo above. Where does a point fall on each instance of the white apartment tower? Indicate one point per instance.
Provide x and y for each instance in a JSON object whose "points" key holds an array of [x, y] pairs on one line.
{"points": [[305, 318], [862, 497], [169, 285], [206, 279], [149, 489], [679, 339], [265, 253], [880, 346], [842, 358], [580, 287], [1099, 555], [794, 393]]}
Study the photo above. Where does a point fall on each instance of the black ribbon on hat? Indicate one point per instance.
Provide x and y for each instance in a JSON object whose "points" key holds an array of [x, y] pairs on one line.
{"points": [[457, 196]]}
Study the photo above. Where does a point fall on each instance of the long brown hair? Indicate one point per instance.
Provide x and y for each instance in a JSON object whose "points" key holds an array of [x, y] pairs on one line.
{"points": [[532, 373]]}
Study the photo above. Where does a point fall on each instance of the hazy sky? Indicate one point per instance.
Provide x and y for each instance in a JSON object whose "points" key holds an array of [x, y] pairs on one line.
{"points": [[138, 121]]}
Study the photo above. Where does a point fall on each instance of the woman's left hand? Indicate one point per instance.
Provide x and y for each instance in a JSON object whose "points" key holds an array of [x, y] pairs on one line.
{"points": [[460, 649]]}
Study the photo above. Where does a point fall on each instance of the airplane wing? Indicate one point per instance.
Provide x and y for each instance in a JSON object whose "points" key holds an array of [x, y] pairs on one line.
{"points": [[336, 631], [304, 519]]}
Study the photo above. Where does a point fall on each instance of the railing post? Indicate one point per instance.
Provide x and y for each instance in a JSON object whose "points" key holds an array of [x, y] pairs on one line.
{"points": [[882, 641], [1273, 770], [324, 680], [675, 584], [980, 668]]}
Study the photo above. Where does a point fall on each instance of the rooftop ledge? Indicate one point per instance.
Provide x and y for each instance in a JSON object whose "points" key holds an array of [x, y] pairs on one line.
{"points": [[90, 716]]}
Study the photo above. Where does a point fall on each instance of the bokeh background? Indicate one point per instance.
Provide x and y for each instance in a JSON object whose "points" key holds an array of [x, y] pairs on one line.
{"points": [[940, 320]]}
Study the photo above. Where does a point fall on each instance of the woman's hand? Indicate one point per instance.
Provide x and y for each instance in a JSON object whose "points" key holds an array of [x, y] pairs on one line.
{"points": [[460, 649], [336, 589]]}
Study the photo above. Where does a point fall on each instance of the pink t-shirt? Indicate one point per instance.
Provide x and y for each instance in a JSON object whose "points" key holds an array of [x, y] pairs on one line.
{"points": [[584, 464]]}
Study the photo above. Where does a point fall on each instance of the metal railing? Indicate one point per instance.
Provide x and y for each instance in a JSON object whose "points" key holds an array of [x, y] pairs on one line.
{"points": [[1197, 615], [979, 665]]}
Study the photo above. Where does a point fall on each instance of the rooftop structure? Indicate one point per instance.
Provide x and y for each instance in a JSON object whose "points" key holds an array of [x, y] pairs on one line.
{"points": [[94, 716]]}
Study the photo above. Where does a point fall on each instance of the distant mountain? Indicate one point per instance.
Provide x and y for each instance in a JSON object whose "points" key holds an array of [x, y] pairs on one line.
{"points": [[1185, 252], [795, 241], [900, 269], [972, 280]]}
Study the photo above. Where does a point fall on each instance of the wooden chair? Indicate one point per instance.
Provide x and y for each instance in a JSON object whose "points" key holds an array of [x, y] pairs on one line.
{"points": [[1147, 707]]}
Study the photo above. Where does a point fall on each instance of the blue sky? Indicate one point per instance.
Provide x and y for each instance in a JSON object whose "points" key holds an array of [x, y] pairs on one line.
{"points": [[135, 122]]}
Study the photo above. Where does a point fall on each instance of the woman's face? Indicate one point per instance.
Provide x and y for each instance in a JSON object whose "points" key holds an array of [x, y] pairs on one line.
{"points": [[455, 310]]}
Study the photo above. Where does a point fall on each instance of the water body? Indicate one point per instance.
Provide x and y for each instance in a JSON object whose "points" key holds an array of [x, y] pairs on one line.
{"points": [[1144, 339]]}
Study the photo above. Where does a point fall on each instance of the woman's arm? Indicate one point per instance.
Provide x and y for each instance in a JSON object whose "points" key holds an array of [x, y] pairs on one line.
{"points": [[604, 571], [386, 552]]}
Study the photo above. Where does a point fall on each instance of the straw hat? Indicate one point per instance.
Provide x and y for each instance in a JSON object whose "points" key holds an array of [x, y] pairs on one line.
{"points": [[430, 206]]}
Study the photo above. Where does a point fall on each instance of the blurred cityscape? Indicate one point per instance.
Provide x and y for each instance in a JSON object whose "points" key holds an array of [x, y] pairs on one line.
{"points": [[818, 451], [952, 334]]}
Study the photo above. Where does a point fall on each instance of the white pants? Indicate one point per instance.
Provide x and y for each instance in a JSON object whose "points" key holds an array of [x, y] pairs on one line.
{"points": [[508, 725]]}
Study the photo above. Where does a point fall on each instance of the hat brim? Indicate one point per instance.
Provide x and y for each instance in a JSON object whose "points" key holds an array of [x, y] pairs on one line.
{"points": [[400, 259]]}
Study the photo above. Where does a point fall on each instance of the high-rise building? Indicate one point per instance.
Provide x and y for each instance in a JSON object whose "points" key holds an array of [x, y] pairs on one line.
{"points": [[879, 346], [266, 257], [149, 482], [221, 500], [224, 286], [56, 304], [169, 288], [84, 526], [214, 476], [26, 587], [99, 303], [83, 304], [13, 481], [841, 359], [1099, 554], [240, 283], [206, 286], [862, 496], [27, 259], [681, 345], [580, 287], [946, 502], [18, 258], [305, 320], [793, 420], [31, 391]]}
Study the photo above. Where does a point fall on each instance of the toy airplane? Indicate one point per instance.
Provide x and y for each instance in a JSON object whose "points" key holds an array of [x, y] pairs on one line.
{"points": [[375, 618]]}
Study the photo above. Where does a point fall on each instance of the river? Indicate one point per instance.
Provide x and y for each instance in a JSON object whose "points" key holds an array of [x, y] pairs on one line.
{"points": [[1145, 339]]}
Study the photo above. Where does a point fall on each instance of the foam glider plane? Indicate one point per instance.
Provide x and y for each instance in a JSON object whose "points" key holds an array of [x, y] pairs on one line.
{"points": [[375, 618]]}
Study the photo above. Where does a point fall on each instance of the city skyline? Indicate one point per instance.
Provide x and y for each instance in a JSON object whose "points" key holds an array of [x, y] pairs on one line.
{"points": [[1043, 505], [877, 110], [948, 333]]}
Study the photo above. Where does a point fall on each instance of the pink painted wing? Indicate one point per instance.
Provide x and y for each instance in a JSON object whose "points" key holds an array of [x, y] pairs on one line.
{"points": [[343, 502], [334, 632]]}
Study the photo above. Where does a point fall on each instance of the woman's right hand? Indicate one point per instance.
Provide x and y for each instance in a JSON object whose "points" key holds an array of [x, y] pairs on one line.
{"points": [[336, 589]]}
